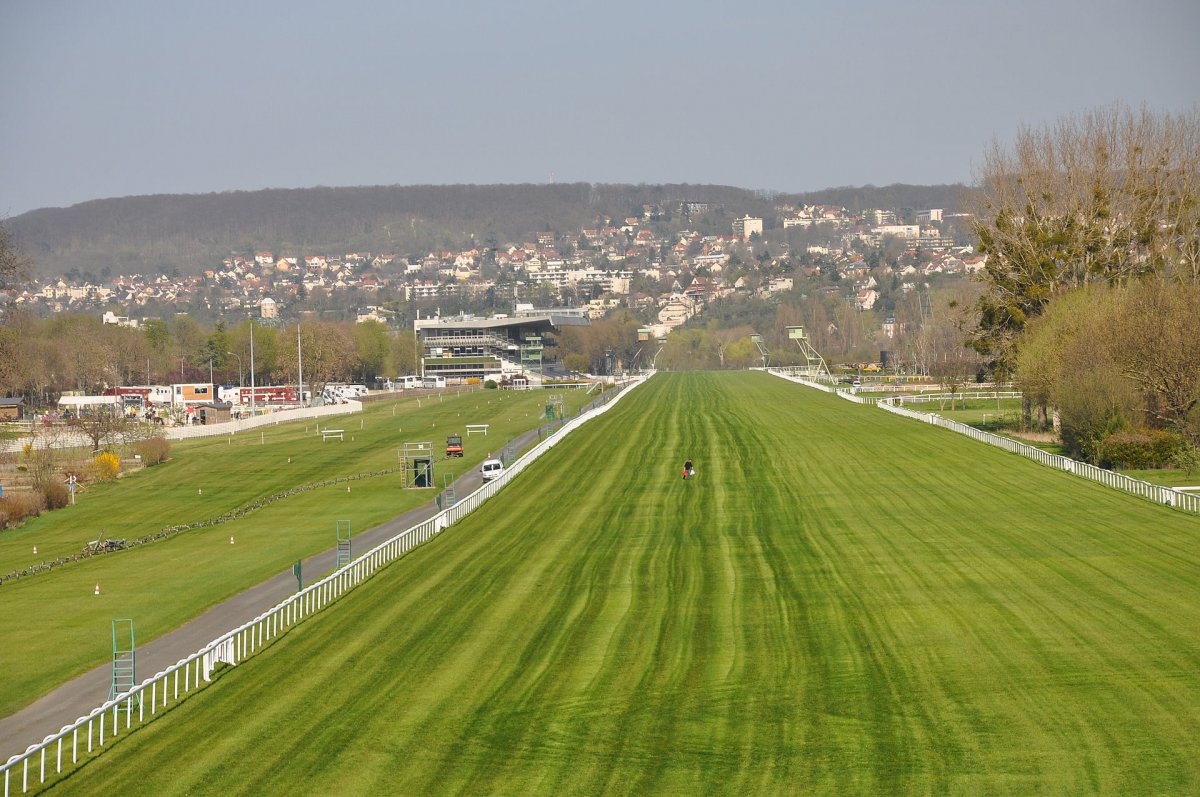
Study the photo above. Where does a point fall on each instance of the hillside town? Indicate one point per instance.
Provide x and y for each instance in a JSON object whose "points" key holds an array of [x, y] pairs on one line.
{"points": [[665, 276]]}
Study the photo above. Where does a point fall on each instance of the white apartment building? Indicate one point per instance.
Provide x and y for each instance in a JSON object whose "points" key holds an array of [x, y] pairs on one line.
{"points": [[746, 226], [906, 231]]}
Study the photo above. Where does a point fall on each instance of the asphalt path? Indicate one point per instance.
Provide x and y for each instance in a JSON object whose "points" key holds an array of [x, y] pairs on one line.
{"points": [[78, 697]]}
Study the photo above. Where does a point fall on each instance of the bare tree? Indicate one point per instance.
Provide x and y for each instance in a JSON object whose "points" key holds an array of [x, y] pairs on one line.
{"points": [[108, 428], [1158, 349], [722, 339], [1107, 196], [13, 263], [329, 355]]}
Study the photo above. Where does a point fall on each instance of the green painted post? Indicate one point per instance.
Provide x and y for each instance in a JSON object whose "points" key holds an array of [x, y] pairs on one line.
{"points": [[297, 574]]}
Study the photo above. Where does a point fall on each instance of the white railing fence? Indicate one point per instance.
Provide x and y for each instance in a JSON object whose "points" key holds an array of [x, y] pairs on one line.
{"points": [[269, 419], [1154, 492], [69, 438], [103, 724], [972, 395]]}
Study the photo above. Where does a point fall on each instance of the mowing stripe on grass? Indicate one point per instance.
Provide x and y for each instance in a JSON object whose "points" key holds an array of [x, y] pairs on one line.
{"points": [[841, 601], [54, 628]]}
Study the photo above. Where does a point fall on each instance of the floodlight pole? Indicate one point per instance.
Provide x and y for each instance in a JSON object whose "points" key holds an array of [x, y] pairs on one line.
{"points": [[299, 367], [252, 368], [241, 379]]}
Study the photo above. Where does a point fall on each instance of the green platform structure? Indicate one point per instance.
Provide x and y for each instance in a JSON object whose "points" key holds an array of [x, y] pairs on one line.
{"points": [[763, 351], [417, 460], [531, 351], [814, 367]]}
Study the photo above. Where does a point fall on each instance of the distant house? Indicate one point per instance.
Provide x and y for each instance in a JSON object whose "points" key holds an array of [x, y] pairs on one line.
{"points": [[110, 317], [865, 299], [268, 308]]}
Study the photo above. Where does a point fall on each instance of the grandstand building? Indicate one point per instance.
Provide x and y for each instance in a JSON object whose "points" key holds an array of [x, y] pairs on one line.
{"points": [[465, 348]]}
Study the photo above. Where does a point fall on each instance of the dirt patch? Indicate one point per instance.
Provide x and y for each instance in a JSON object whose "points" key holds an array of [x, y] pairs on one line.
{"points": [[1034, 437]]}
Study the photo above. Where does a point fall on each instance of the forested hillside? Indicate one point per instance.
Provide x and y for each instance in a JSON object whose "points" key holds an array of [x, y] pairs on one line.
{"points": [[190, 232]]}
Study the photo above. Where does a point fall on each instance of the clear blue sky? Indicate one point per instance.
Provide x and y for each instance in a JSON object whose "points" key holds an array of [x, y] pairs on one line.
{"points": [[126, 97]]}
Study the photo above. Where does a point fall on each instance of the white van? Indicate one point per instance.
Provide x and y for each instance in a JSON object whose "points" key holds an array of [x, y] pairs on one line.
{"points": [[491, 469]]}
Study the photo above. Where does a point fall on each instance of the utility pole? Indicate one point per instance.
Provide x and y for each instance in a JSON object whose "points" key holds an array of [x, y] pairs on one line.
{"points": [[241, 378], [251, 369], [299, 367]]}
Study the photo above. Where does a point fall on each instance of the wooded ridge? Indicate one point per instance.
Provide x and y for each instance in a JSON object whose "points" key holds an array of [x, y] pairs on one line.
{"points": [[190, 232]]}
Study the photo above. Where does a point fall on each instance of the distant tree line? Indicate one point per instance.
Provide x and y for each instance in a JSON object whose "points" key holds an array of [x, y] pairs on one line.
{"points": [[42, 359]]}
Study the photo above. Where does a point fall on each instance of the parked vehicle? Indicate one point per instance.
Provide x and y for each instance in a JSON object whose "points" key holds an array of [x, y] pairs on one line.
{"points": [[454, 446], [491, 469], [348, 391], [433, 381], [407, 382], [263, 395], [151, 394]]}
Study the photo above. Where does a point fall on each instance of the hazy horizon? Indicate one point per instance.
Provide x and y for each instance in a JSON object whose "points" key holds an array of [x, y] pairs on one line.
{"points": [[136, 98]]}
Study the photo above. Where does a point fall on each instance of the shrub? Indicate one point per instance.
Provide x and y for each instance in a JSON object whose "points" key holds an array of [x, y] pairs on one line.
{"points": [[490, 385], [55, 494], [154, 450], [106, 466], [16, 507], [1141, 449], [577, 362], [1187, 459]]}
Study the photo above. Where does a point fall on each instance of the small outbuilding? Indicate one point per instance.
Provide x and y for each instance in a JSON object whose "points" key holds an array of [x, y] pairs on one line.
{"points": [[214, 412], [12, 409]]}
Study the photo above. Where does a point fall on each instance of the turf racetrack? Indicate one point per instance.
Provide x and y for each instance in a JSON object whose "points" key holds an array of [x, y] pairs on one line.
{"points": [[52, 626], [842, 601]]}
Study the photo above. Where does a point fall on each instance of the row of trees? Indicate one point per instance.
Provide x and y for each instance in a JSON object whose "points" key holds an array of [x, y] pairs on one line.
{"points": [[41, 359], [1110, 196], [1092, 231], [1115, 361]]}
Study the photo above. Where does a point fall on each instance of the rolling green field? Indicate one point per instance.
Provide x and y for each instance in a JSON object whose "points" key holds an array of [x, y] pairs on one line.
{"points": [[54, 628], [841, 602]]}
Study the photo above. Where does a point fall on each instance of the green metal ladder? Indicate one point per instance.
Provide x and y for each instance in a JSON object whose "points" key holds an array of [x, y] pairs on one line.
{"points": [[343, 543], [124, 668]]}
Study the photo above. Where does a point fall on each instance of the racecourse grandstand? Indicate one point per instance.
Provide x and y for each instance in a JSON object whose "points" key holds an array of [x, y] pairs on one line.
{"points": [[465, 348]]}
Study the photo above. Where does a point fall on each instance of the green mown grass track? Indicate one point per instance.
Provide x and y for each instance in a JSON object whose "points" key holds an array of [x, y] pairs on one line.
{"points": [[842, 601], [53, 628]]}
